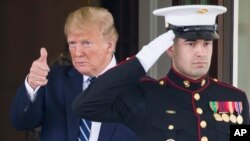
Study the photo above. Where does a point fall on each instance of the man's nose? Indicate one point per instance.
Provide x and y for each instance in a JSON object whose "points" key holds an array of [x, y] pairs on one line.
{"points": [[79, 50], [201, 49]]}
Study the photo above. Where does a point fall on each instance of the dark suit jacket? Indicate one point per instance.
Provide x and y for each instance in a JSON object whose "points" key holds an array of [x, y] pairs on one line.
{"points": [[172, 108], [52, 110]]}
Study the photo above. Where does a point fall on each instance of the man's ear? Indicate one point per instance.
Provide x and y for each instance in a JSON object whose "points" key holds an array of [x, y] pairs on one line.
{"points": [[111, 46], [170, 51]]}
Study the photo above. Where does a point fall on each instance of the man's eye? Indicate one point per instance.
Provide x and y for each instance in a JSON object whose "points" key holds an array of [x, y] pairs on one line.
{"points": [[87, 43], [208, 43], [190, 44], [72, 44]]}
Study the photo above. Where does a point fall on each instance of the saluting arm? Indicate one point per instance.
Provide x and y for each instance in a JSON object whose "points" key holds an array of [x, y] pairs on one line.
{"points": [[113, 95], [104, 99]]}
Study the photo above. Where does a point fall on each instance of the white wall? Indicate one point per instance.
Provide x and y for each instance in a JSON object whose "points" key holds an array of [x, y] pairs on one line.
{"points": [[244, 46]]}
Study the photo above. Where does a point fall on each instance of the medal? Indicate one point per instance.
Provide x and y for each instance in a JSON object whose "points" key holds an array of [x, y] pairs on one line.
{"points": [[217, 117], [233, 118], [238, 109], [239, 119], [226, 108], [231, 108], [225, 117], [214, 107], [223, 110]]}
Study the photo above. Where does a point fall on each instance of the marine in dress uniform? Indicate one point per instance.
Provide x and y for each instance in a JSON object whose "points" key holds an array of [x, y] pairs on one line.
{"points": [[174, 108]]}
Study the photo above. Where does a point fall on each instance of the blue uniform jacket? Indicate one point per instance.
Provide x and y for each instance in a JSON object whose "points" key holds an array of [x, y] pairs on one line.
{"points": [[172, 108], [52, 110]]}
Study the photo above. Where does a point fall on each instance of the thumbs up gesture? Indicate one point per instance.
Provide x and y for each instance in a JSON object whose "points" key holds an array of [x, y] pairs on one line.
{"points": [[39, 70]]}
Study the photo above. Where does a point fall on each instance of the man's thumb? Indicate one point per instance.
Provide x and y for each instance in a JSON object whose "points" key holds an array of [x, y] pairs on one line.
{"points": [[43, 55]]}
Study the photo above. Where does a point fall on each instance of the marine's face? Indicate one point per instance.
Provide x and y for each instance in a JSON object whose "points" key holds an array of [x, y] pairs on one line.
{"points": [[90, 52], [191, 58]]}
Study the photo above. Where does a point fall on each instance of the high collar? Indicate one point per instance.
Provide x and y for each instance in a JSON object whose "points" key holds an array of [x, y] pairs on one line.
{"points": [[185, 83]]}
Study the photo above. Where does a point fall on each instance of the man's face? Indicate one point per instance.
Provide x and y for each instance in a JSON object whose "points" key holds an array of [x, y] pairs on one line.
{"points": [[191, 58], [89, 51]]}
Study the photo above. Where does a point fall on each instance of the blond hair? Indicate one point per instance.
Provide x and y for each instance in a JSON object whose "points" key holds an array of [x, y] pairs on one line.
{"points": [[92, 15]]}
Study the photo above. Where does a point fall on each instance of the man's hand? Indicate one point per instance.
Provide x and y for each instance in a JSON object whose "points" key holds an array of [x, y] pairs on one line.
{"points": [[39, 71], [150, 53]]}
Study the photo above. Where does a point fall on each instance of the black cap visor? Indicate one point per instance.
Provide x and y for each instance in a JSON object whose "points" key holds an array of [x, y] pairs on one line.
{"points": [[195, 32], [207, 35]]}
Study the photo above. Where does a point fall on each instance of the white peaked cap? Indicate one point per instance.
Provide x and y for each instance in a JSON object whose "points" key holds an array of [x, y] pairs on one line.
{"points": [[190, 15], [192, 21]]}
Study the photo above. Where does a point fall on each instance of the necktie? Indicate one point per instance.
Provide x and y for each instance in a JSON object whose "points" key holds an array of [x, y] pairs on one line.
{"points": [[84, 130], [85, 125], [92, 79]]}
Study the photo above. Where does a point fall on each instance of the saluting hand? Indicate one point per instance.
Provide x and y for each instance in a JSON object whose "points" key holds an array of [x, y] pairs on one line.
{"points": [[151, 52], [39, 71]]}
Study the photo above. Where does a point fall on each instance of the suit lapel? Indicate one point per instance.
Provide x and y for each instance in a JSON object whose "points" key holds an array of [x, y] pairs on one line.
{"points": [[72, 87]]}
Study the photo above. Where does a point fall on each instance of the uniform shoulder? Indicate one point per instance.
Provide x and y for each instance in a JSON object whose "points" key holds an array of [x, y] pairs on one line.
{"points": [[149, 79], [226, 85], [125, 60]]}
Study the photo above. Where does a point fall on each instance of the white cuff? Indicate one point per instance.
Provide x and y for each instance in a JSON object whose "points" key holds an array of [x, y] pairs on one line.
{"points": [[31, 93]]}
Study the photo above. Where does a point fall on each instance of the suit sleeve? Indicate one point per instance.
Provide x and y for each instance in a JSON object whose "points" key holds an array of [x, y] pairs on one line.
{"points": [[26, 115], [114, 96]]}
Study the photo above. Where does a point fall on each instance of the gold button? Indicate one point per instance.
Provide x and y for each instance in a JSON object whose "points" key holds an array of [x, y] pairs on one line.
{"points": [[197, 96], [203, 124], [215, 80], [170, 112], [161, 82], [199, 111], [170, 127], [204, 138], [170, 140]]}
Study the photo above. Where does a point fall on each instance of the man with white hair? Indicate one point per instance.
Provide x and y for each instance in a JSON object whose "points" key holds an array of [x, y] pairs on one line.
{"points": [[45, 97]]}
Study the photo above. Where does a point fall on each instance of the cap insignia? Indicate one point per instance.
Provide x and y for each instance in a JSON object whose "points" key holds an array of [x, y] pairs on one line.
{"points": [[202, 10]]}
